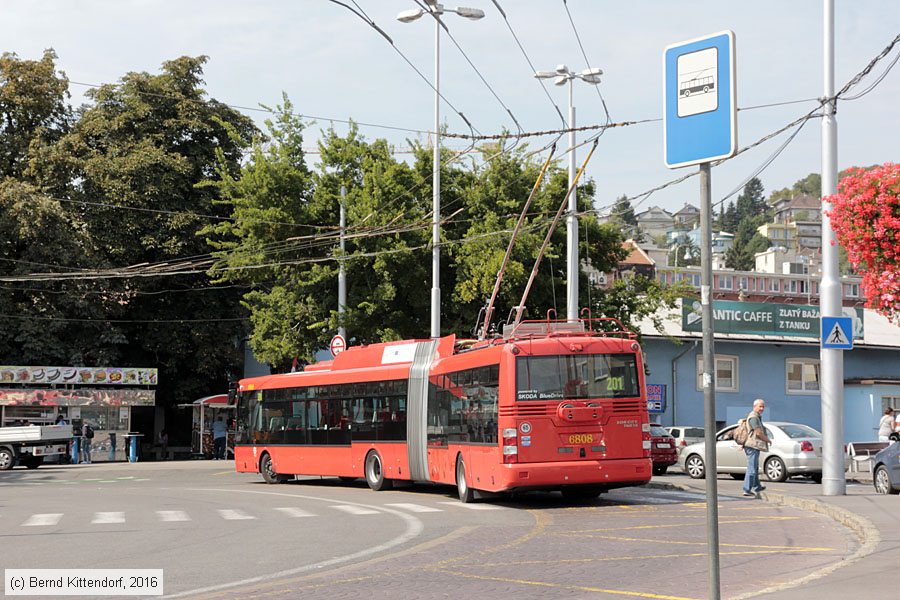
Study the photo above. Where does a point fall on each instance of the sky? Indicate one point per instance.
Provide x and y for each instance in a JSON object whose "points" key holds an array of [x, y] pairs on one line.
{"points": [[332, 65]]}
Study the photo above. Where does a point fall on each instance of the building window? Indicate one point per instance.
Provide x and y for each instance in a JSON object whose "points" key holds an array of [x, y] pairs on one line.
{"points": [[802, 375], [726, 373], [774, 285], [852, 289], [742, 284], [726, 282]]}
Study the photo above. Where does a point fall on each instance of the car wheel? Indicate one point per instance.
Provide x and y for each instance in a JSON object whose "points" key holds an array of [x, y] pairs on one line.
{"points": [[882, 481], [660, 469], [375, 473], [466, 493], [775, 469], [694, 467], [7, 459]]}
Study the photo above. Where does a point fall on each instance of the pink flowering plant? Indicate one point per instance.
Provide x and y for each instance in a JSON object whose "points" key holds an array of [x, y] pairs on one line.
{"points": [[865, 216]]}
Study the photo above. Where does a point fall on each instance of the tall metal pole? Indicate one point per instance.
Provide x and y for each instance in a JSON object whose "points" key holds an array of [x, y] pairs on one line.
{"points": [[834, 482], [709, 388], [572, 266], [436, 191], [342, 275]]}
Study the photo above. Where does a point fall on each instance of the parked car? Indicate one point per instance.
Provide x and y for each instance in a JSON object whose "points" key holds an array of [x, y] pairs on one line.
{"points": [[685, 435], [887, 470], [662, 449], [795, 450]]}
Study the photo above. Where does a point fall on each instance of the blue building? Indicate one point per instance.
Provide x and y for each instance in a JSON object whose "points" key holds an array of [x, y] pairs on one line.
{"points": [[771, 351]]}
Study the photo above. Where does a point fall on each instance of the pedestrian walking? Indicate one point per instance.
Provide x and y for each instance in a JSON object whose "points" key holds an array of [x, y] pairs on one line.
{"points": [[220, 434], [757, 441], [886, 425]]}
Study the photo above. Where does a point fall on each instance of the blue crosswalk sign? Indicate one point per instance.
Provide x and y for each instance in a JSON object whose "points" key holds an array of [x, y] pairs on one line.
{"points": [[837, 333]]}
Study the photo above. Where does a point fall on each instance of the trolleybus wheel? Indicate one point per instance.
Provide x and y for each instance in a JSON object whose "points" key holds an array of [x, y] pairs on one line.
{"points": [[7, 459], [375, 473], [466, 494], [268, 471]]}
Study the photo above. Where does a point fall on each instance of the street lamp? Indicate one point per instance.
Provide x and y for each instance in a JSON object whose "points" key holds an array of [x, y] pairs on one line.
{"points": [[561, 76], [408, 16]]}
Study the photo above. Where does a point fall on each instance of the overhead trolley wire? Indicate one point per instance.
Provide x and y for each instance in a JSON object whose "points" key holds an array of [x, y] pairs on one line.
{"points": [[528, 60]]}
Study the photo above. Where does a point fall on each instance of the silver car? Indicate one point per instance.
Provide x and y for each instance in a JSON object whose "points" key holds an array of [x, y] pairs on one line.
{"points": [[685, 435], [795, 450]]}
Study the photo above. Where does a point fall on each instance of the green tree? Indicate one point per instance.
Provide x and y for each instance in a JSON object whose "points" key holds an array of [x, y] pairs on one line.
{"points": [[131, 166], [633, 299], [811, 185], [751, 202], [34, 112], [747, 242]]}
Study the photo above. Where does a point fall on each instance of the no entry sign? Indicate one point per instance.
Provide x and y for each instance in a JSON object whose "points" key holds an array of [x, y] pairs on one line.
{"points": [[338, 344]]}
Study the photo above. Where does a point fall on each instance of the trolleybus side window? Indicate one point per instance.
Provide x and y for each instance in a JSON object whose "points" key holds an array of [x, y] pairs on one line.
{"points": [[462, 406], [576, 376], [328, 414]]}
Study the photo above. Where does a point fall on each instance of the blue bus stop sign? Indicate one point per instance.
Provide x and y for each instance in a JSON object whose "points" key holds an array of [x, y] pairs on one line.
{"points": [[700, 105]]}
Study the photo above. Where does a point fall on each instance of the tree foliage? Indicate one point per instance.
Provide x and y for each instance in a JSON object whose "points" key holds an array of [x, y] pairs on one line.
{"points": [[112, 186]]}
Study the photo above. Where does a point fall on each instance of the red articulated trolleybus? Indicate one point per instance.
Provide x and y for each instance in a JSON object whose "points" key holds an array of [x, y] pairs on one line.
{"points": [[547, 406]]}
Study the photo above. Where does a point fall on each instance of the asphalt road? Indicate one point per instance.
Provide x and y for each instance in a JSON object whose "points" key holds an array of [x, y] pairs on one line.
{"points": [[220, 534]]}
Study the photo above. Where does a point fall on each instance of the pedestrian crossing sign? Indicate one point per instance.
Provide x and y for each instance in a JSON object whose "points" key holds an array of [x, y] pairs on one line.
{"points": [[837, 333]]}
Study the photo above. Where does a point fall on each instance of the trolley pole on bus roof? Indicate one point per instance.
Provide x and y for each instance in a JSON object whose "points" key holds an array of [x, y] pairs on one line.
{"points": [[700, 123]]}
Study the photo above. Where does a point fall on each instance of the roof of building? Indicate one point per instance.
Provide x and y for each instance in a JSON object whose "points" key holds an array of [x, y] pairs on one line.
{"points": [[636, 255], [688, 208], [800, 201]]}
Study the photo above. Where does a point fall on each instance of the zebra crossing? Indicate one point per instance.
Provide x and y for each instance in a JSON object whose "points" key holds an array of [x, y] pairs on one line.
{"points": [[234, 514]]}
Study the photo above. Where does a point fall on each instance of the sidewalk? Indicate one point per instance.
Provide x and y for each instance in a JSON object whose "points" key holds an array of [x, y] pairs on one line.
{"points": [[874, 518]]}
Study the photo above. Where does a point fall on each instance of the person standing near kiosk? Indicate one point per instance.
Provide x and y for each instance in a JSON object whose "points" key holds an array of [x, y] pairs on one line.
{"points": [[220, 434]]}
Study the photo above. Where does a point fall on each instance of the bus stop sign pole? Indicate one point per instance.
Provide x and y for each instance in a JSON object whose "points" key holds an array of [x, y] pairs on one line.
{"points": [[700, 127]]}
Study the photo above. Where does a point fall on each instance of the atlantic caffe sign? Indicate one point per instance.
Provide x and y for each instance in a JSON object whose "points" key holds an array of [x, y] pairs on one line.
{"points": [[762, 318]]}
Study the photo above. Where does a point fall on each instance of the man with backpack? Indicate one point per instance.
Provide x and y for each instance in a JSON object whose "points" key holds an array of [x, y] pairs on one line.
{"points": [[87, 436], [756, 442]]}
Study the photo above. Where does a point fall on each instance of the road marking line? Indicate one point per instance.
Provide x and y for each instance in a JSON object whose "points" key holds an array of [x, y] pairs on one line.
{"points": [[293, 511], [418, 508], [42, 520], [414, 528], [172, 515], [471, 506], [108, 517], [354, 510], [579, 588], [234, 514]]}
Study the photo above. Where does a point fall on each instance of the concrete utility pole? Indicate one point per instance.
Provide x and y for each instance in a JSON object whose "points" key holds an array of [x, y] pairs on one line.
{"points": [[709, 381], [834, 482], [342, 275]]}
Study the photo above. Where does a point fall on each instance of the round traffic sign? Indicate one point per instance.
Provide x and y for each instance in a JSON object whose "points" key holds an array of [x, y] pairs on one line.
{"points": [[338, 344]]}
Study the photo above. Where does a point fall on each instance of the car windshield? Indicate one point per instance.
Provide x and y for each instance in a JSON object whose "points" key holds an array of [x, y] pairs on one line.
{"points": [[794, 431], [656, 430]]}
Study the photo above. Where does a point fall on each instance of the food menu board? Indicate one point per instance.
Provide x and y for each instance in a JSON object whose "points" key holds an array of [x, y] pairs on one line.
{"points": [[79, 375]]}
